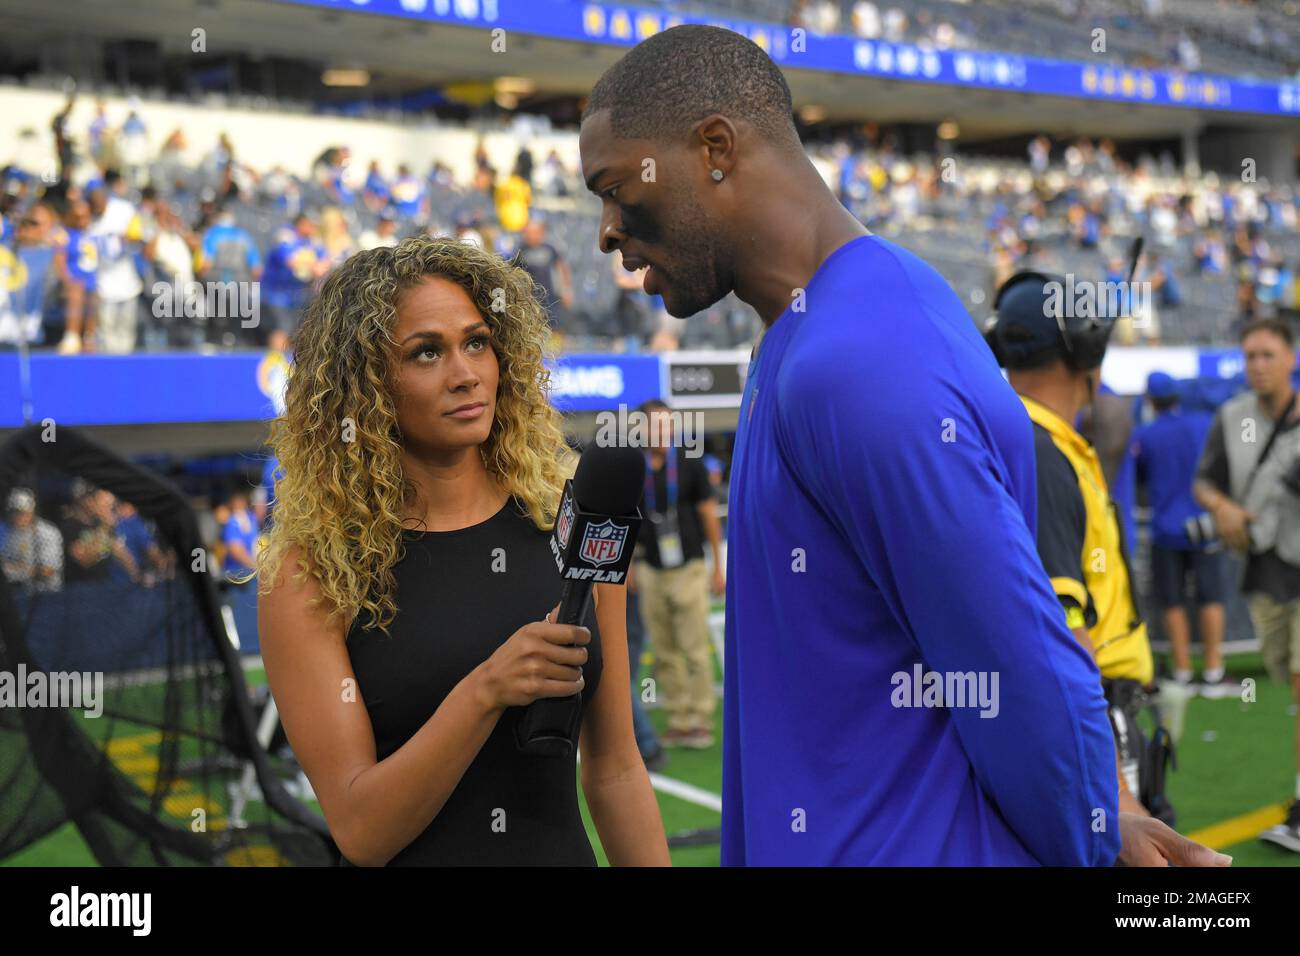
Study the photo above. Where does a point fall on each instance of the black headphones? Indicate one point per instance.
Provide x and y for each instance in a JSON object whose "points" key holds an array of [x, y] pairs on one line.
{"points": [[1022, 326]]}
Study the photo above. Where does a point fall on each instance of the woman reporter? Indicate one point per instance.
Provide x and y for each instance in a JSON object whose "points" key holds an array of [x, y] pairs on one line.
{"points": [[408, 576]]}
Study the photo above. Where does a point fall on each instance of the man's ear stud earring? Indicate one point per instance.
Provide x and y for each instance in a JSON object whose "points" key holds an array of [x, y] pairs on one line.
{"points": [[717, 175]]}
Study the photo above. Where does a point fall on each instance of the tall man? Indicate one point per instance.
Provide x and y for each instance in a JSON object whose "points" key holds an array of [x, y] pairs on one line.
{"points": [[1249, 480], [882, 494]]}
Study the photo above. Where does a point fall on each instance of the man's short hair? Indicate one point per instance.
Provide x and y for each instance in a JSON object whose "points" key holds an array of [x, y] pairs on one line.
{"points": [[1276, 326], [653, 405], [669, 82]]}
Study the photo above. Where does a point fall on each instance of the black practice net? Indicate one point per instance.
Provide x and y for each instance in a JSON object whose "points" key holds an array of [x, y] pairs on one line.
{"points": [[123, 707]]}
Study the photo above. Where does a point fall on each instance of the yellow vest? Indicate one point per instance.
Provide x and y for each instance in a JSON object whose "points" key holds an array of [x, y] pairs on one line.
{"points": [[1119, 639]]}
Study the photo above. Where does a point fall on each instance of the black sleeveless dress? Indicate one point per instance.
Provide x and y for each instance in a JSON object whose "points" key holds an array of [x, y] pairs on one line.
{"points": [[460, 595]]}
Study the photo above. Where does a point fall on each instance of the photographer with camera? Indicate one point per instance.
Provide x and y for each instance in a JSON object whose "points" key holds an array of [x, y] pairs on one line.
{"points": [[1249, 481], [1183, 538]]}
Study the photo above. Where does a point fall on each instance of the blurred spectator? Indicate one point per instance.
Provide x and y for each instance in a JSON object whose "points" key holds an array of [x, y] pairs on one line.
{"points": [[713, 465], [895, 25], [171, 251], [90, 534], [239, 534], [78, 287], [31, 548], [466, 230], [97, 134], [408, 194], [376, 192], [1183, 541], [866, 19], [632, 308], [294, 265], [335, 237], [36, 297], [138, 537], [228, 252], [133, 148], [674, 583], [63, 151], [550, 179], [117, 233], [384, 232], [513, 197], [543, 262]]}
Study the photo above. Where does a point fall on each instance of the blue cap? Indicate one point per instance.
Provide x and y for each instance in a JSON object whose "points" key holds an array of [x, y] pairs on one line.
{"points": [[1161, 385]]}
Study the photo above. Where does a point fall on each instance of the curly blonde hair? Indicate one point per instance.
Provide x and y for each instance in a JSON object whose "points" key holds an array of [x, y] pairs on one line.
{"points": [[340, 502]]}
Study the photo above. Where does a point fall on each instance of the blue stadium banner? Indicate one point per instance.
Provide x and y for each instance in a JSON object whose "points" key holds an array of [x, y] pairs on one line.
{"points": [[1222, 363], [146, 388], [593, 383], [625, 25]]}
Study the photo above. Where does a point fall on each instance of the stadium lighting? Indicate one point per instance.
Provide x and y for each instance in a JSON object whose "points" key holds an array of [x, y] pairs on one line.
{"points": [[345, 77], [515, 86]]}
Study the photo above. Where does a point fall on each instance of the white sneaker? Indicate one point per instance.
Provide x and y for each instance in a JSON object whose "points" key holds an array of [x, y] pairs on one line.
{"points": [[1287, 834], [1225, 686], [70, 344]]}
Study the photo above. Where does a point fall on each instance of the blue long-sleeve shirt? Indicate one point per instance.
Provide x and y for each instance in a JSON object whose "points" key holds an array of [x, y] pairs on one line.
{"points": [[882, 493]]}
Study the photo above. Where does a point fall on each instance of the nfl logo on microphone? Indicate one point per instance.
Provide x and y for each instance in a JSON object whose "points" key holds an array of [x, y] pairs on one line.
{"points": [[566, 521], [603, 543]]}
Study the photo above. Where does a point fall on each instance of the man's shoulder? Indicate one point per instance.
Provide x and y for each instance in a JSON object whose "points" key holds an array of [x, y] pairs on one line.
{"points": [[1239, 403], [1052, 462]]}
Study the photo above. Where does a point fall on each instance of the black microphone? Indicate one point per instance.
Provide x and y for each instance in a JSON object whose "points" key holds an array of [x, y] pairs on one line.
{"points": [[595, 531]]}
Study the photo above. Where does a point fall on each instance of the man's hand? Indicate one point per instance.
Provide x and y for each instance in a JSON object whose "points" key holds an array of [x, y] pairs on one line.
{"points": [[1231, 520], [719, 582], [1145, 841]]}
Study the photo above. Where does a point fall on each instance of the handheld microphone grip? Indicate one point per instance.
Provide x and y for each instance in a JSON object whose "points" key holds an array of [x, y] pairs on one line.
{"points": [[596, 527], [547, 726]]}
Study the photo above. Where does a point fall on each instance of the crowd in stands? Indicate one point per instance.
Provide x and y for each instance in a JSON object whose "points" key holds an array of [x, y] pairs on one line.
{"points": [[126, 250], [1227, 36], [1219, 251]]}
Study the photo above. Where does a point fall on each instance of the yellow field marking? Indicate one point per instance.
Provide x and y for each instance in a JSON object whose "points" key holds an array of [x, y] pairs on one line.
{"points": [[255, 856], [182, 806], [1239, 829], [141, 765]]}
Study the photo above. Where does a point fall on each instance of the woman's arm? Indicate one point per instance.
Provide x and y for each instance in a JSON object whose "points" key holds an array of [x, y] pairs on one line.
{"points": [[373, 808], [614, 777]]}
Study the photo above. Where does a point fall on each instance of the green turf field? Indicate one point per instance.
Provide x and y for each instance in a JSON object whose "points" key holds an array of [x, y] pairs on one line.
{"points": [[1234, 760]]}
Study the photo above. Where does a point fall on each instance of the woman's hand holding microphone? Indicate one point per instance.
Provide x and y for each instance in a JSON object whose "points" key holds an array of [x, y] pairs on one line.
{"points": [[536, 661]]}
